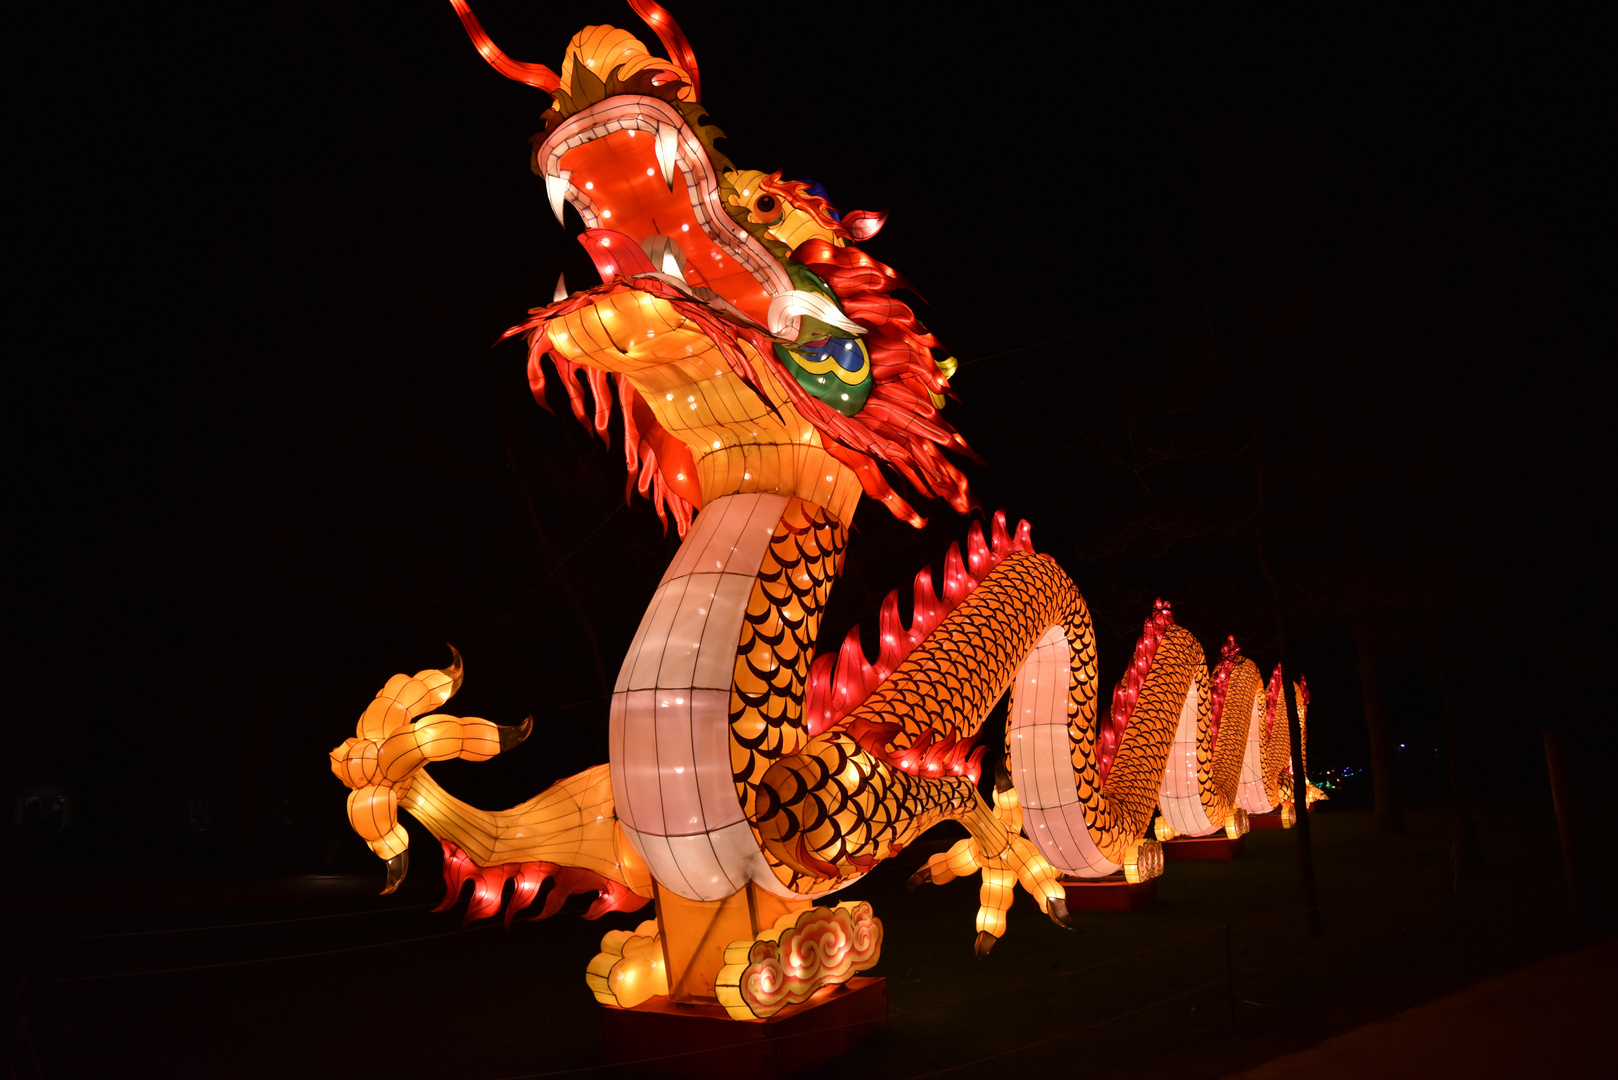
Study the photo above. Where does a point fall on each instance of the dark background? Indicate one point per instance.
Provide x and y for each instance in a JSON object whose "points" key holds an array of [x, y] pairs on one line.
{"points": [[1314, 283]]}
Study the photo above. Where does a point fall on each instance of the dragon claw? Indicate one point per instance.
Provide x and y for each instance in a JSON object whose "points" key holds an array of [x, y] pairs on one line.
{"points": [[921, 877], [513, 734], [1056, 908], [398, 866], [984, 944]]}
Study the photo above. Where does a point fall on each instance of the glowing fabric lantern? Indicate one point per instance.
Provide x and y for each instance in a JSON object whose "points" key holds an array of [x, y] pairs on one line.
{"points": [[1199, 796], [765, 372]]}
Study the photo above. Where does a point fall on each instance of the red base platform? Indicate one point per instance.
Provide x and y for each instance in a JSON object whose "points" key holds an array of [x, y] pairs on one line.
{"points": [[1216, 848], [1108, 893], [1272, 820], [701, 1041]]}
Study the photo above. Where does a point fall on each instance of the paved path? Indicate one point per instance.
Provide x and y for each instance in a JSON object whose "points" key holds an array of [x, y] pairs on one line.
{"points": [[1558, 1017]]}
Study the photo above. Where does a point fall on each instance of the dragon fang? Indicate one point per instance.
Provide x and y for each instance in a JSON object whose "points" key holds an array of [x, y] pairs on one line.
{"points": [[766, 373]]}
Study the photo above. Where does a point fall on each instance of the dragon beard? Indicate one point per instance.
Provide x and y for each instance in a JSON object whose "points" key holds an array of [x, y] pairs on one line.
{"points": [[900, 425]]}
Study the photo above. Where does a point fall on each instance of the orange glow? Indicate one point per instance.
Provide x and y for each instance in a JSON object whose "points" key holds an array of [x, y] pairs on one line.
{"points": [[622, 171]]}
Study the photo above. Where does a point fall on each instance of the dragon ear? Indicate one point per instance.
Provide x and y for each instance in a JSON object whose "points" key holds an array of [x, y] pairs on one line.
{"points": [[864, 224]]}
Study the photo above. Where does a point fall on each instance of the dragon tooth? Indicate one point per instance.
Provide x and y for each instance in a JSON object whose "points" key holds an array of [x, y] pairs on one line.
{"points": [[664, 141], [787, 304], [561, 289], [556, 187]]}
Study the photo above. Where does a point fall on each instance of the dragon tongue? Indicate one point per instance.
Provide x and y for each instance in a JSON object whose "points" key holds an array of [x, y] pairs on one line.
{"points": [[614, 254]]}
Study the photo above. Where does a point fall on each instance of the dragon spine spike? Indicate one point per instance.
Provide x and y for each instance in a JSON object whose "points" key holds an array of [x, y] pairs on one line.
{"points": [[977, 552], [1272, 698], [1229, 656], [1127, 692], [839, 681]]}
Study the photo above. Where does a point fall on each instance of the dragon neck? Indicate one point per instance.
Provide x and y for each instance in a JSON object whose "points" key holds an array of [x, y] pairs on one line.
{"points": [[740, 445], [711, 693], [734, 415]]}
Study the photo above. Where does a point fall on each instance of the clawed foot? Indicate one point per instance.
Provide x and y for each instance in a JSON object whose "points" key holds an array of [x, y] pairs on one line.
{"points": [[1016, 862]]}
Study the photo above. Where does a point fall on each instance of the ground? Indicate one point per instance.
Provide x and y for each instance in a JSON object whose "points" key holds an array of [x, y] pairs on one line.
{"points": [[318, 976]]}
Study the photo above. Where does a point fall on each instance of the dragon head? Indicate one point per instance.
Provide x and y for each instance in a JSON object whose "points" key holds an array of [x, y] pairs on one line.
{"points": [[754, 347]]}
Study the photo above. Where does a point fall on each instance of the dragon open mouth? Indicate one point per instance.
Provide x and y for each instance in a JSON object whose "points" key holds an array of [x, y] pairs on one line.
{"points": [[632, 165]]}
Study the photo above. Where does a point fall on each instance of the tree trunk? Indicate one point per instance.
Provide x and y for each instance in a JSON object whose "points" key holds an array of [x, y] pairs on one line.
{"points": [[1388, 816], [1300, 783], [1464, 837], [1562, 798]]}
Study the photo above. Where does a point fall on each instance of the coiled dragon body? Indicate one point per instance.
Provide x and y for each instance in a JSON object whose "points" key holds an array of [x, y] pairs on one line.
{"points": [[766, 373]]}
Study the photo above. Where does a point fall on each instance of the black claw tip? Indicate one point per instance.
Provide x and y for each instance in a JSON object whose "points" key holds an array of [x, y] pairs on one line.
{"points": [[1057, 910], [515, 734], [984, 944], [398, 867]]}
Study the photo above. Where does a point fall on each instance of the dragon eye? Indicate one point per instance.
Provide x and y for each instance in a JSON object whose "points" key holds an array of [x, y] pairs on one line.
{"points": [[765, 204]]}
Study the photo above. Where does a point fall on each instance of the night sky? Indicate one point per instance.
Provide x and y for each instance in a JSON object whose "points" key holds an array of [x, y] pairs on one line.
{"points": [[1318, 283]]}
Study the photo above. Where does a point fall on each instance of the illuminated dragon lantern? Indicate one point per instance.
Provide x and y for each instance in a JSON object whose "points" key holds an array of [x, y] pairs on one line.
{"points": [[766, 372]]}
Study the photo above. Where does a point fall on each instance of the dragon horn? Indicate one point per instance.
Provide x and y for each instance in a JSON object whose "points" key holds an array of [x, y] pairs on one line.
{"points": [[533, 74], [669, 33]]}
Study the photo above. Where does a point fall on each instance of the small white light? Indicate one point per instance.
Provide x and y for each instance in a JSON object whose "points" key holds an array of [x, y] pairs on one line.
{"points": [[606, 213], [607, 268], [747, 476], [716, 444], [589, 185], [685, 228], [745, 193], [681, 476], [845, 397], [669, 396], [849, 346], [649, 172]]}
